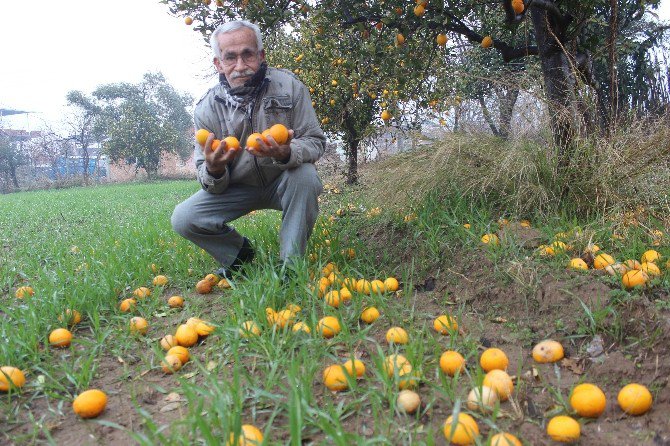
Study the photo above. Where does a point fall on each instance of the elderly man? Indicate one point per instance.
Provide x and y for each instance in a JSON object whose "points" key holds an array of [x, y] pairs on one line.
{"points": [[250, 98]]}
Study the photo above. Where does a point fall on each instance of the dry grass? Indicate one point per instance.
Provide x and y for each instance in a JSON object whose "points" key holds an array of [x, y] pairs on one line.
{"points": [[606, 177]]}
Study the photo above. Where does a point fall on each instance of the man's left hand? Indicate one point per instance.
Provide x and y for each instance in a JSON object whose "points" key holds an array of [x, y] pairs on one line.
{"points": [[269, 147]]}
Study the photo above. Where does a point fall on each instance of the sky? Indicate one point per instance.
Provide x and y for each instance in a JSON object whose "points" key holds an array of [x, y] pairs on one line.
{"points": [[48, 48]]}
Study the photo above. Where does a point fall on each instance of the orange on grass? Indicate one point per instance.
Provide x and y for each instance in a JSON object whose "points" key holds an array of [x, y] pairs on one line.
{"points": [[328, 326], [252, 140], [578, 263], [90, 403], [139, 325], [441, 39], [160, 280], [603, 260], [408, 401], [285, 318], [500, 382], [181, 353], [231, 143], [634, 278], [202, 134], [377, 286], [396, 364], [142, 292], [11, 376], [71, 317], [490, 239], [193, 321], [335, 378], [279, 133], [391, 284], [329, 268], [212, 278], [650, 268], [635, 399], [407, 378], [171, 364], [223, 284], [204, 329], [632, 264], [505, 438], [127, 305], [650, 256], [461, 431], [203, 286], [548, 351], [482, 399], [444, 324], [301, 326], [60, 337], [249, 436], [333, 298], [186, 335], [588, 400], [363, 286], [250, 328], [175, 302], [397, 335], [452, 362], [345, 294], [168, 341], [24, 291], [355, 368], [492, 359], [563, 429], [369, 315]]}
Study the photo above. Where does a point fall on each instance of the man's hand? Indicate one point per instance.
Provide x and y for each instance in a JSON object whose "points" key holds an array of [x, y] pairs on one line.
{"points": [[270, 148], [217, 160]]}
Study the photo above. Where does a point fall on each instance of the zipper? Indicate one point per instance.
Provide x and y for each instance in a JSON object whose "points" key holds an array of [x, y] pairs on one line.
{"points": [[256, 165]]}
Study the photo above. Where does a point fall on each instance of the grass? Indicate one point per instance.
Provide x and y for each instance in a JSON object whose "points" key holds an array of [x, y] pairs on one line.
{"points": [[87, 249]]}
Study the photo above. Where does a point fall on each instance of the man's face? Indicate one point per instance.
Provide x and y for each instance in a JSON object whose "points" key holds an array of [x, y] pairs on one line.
{"points": [[240, 57]]}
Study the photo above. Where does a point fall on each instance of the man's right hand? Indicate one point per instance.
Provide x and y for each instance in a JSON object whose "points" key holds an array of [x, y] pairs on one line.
{"points": [[217, 160]]}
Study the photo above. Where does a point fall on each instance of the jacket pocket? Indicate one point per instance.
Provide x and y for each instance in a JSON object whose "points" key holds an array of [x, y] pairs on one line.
{"points": [[278, 109]]}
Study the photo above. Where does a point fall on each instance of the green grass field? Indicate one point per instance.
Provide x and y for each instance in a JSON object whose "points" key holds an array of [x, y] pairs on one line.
{"points": [[87, 249]]}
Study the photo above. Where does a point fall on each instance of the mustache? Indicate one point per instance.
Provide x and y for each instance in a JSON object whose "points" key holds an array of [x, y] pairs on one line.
{"points": [[245, 73]]}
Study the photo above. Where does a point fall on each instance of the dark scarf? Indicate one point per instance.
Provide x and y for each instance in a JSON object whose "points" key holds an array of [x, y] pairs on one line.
{"points": [[243, 95]]}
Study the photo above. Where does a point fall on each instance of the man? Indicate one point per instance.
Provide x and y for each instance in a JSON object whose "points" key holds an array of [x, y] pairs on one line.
{"points": [[251, 97]]}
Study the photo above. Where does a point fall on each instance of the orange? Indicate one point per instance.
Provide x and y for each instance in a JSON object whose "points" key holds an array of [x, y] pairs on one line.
{"points": [[171, 364], [354, 368], [188, 21], [369, 315], [250, 328], [399, 40], [493, 358], [650, 256], [335, 378], [90, 403], [634, 278], [186, 335], [563, 429], [202, 134], [500, 382], [223, 284], [249, 436], [578, 263], [487, 42], [631, 264], [301, 326], [11, 376], [483, 399], [24, 291], [139, 325], [142, 292], [203, 286], [588, 400], [231, 143], [419, 10], [385, 114], [548, 351], [215, 144], [635, 399], [441, 39], [181, 353], [452, 362], [175, 302], [73, 317], [328, 326], [603, 260], [333, 298], [408, 401], [407, 379], [650, 268], [376, 286], [329, 268], [60, 337], [127, 305], [285, 317], [391, 284], [461, 431], [394, 364], [505, 438], [345, 295], [252, 140], [279, 133], [168, 341], [397, 335], [193, 321], [518, 7], [212, 278], [160, 280], [444, 324], [490, 239], [363, 286], [204, 329]]}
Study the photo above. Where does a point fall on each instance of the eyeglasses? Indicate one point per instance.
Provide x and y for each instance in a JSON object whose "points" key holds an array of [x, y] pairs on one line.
{"points": [[247, 57]]}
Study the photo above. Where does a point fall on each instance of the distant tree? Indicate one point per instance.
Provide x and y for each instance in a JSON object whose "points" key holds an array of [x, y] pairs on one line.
{"points": [[81, 125], [142, 121], [10, 158]]}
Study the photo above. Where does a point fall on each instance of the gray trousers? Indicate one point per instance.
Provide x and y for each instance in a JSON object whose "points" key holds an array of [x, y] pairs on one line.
{"points": [[203, 218]]}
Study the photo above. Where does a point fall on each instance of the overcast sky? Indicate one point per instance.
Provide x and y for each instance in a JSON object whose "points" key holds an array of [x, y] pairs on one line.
{"points": [[48, 48]]}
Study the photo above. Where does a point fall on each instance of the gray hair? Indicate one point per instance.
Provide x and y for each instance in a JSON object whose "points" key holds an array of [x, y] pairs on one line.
{"points": [[232, 26]]}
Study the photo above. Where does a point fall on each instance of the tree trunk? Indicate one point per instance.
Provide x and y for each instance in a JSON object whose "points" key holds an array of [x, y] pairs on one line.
{"points": [[12, 173], [352, 160], [614, 81], [507, 103], [487, 115]]}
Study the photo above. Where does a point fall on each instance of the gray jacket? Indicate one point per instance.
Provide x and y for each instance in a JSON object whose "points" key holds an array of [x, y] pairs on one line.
{"points": [[284, 100]]}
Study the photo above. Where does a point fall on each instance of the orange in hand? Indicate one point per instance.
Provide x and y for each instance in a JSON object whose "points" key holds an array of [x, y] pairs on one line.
{"points": [[279, 133], [252, 140], [232, 143], [201, 136]]}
